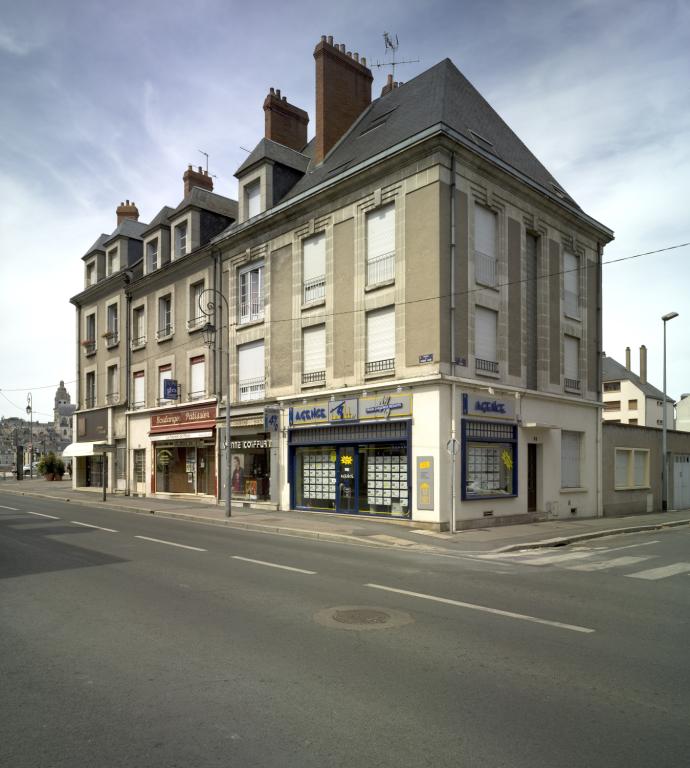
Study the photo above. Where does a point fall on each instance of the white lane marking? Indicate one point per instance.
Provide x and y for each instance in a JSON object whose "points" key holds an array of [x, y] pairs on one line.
{"points": [[171, 543], [661, 573], [561, 558], [616, 562], [273, 565], [40, 514], [484, 608], [13, 509], [89, 525]]}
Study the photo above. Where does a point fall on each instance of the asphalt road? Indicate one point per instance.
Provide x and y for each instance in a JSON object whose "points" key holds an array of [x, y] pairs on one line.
{"points": [[168, 643]]}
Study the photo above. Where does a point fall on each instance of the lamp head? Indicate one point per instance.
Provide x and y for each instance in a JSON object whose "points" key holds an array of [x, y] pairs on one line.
{"points": [[208, 331], [669, 316]]}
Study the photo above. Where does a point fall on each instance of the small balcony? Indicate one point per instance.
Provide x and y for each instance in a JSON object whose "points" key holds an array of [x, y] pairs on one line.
{"points": [[90, 401], [196, 323], [89, 346], [485, 269], [137, 405], [138, 342], [380, 366], [198, 395], [381, 269], [572, 385], [485, 366], [314, 377], [314, 289], [112, 398], [252, 389], [112, 338], [164, 333]]}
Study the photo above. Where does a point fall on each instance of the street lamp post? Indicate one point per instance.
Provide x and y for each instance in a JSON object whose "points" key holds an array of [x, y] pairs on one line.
{"points": [[30, 411], [664, 462], [208, 306]]}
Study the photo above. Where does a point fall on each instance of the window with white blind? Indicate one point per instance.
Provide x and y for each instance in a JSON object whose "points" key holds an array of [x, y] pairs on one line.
{"points": [[381, 245], [164, 372], [485, 249], [252, 199], [380, 340], [139, 393], [571, 285], [181, 239], [314, 267], [90, 390], [571, 363], [197, 377], [252, 373], [112, 326], [112, 385], [138, 326], [314, 354], [113, 261], [251, 284], [571, 443], [485, 330], [152, 255], [196, 316], [632, 468], [165, 326]]}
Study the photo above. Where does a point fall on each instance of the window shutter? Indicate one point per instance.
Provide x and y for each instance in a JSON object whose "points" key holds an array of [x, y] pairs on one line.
{"points": [[484, 230], [314, 346], [251, 361], [197, 383], [139, 394], [381, 335], [570, 459], [571, 358], [253, 197], [381, 232], [314, 250], [485, 327]]}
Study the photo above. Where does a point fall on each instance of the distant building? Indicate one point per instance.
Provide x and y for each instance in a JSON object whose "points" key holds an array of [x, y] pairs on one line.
{"points": [[631, 399], [683, 413], [63, 411]]}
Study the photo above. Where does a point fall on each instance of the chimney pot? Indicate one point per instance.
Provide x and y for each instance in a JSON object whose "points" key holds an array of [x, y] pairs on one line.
{"points": [[127, 210], [278, 92], [356, 57], [323, 38], [196, 178], [364, 61], [271, 91], [643, 364], [627, 358], [330, 39]]}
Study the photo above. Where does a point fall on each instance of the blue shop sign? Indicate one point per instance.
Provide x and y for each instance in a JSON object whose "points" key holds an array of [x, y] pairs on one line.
{"points": [[488, 407]]}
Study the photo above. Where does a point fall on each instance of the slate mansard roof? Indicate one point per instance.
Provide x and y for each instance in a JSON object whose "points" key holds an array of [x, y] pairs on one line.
{"points": [[612, 370]]}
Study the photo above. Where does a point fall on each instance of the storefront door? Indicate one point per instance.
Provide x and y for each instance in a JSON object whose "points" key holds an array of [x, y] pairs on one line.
{"points": [[347, 486]]}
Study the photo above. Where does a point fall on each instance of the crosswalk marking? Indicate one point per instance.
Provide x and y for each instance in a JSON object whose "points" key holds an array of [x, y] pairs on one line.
{"points": [[563, 557], [661, 573], [616, 562]]}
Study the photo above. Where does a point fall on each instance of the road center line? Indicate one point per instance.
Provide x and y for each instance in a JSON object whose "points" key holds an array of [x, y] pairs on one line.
{"points": [[40, 514], [171, 543], [273, 565], [484, 608], [89, 525], [13, 509]]}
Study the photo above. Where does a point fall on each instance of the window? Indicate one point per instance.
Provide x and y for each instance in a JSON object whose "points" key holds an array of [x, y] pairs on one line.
{"points": [[571, 363], [112, 262], [252, 374], [139, 393], [489, 460], [181, 239], [196, 316], [165, 327], [90, 390], [632, 405], [112, 389], [314, 354], [251, 282], [138, 327], [485, 250], [485, 329], [612, 405], [632, 468], [197, 377], [112, 328], [570, 459], [612, 386], [252, 199], [152, 255], [314, 267], [381, 245], [571, 285], [139, 456], [89, 342], [90, 273], [380, 340], [164, 374]]}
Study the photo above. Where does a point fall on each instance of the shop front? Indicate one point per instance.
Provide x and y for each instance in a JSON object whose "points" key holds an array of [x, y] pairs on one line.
{"points": [[352, 456], [184, 451], [89, 454], [250, 467]]}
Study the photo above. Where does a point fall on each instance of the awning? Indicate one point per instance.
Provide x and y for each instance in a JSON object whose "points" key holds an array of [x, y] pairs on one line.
{"points": [[180, 436], [75, 450]]}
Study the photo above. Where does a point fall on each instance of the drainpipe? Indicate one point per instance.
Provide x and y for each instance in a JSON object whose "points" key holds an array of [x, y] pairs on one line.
{"points": [[453, 439], [128, 377], [600, 442]]}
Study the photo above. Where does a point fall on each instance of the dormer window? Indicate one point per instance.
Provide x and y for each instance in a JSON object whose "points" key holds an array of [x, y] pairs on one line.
{"points": [[90, 273], [152, 255], [112, 261], [180, 239], [252, 198]]}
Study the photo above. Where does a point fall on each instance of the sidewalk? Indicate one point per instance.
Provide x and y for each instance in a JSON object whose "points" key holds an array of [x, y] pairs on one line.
{"points": [[360, 530]]}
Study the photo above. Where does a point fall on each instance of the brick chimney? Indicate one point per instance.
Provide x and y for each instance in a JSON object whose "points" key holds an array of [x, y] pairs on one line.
{"points": [[198, 178], [643, 364], [285, 123], [343, 92], [627, 358], [127, 210], [389, 86]]}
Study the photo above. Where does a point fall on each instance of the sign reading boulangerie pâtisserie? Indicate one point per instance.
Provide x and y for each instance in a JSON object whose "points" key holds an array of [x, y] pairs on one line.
{"points": [[180, 419]]}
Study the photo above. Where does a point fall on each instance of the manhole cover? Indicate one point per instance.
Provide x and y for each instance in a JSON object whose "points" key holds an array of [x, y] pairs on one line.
{"points": [[362, 618]]}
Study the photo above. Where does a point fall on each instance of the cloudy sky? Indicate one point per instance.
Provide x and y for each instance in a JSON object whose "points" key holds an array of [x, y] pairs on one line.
{"points": [[107, 101]]}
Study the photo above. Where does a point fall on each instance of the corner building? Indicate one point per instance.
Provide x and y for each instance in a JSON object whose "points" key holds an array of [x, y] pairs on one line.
{"points": [[416, 311]]}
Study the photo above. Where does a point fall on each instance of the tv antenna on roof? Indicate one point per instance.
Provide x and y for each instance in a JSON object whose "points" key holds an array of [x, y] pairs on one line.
{"points": [[391, 48], [205, 154]]}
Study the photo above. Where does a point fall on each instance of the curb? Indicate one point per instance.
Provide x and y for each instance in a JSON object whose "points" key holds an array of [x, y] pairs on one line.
{"points": [[562, 541]]}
